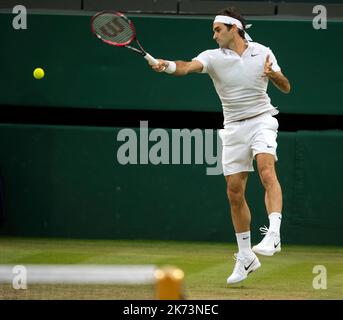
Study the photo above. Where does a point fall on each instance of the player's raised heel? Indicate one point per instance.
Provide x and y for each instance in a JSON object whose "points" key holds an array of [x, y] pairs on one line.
{"points": [[270, 244], [244, 265]]}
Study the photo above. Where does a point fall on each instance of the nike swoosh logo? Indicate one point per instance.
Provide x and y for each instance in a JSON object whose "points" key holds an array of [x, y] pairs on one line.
{"points": [[245, 238], [247, 267], [269, 146], [275, 245], [254, 55]]}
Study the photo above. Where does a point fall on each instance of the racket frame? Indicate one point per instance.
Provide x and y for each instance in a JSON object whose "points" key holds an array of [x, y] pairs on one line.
{"points": [[126, 44]]}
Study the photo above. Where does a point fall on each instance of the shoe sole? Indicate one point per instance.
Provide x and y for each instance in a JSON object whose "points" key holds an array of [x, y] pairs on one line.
{"points": [[266, 253], [258, 264]]}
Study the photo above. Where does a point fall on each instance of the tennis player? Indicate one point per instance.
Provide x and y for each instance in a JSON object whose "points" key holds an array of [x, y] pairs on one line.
{"points": [[240, 70]]}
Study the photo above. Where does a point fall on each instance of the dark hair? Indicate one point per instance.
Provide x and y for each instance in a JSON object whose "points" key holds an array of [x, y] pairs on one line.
{"points": [[233, 12]]}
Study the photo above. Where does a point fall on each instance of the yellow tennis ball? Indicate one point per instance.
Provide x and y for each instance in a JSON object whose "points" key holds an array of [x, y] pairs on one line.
{"points": [[38, 73]]}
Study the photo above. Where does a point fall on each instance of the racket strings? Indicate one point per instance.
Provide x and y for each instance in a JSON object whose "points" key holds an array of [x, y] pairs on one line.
{"points": [[113, 28]]}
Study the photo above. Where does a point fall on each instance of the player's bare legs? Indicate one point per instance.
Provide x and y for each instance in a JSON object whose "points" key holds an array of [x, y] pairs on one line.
{"points": [[240, 213], [266, 170], [271, 243], [246, 260]]}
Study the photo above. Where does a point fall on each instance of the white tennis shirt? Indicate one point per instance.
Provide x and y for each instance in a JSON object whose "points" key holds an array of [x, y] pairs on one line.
{"points": [[238, 80]]}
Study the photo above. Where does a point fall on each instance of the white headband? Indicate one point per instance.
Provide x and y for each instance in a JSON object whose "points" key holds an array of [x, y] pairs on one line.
{"points": [[230, 20]]}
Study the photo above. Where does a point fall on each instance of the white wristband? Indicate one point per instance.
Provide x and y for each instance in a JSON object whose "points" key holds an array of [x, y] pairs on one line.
{"points": [[171, 67]]}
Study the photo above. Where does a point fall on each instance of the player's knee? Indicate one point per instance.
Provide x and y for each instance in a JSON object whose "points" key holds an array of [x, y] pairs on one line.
{"points": [[268, 177], [235, 195]]}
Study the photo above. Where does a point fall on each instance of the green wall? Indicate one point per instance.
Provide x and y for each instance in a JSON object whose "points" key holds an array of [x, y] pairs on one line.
{"points": [[81, 71], [66, 182]]}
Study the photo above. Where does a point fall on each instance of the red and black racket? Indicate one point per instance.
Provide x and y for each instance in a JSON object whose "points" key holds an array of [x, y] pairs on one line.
{"points": [[117, 30]]}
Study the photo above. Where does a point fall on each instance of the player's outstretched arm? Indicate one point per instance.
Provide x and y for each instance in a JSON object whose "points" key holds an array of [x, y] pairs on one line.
{"points": [[178, 68]]}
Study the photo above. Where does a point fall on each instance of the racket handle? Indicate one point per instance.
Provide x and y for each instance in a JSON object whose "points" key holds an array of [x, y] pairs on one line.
{"points": [[149, 58]]}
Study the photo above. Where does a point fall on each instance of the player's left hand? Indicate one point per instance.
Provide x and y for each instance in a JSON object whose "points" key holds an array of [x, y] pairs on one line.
{"points": [[268, 71]]}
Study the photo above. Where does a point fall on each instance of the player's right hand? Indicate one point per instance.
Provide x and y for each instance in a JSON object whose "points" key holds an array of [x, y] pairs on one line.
{"points": [[161, 66]]}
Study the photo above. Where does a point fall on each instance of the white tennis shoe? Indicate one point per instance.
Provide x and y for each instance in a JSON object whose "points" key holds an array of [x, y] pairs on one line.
{"points": [[244, 265], [270, 244]]}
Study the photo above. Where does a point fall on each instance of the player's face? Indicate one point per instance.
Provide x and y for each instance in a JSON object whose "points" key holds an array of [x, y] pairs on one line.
{"points": [[222, 35]]}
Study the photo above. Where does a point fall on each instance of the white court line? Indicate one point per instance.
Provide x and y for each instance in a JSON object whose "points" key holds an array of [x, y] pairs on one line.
{"points": [[82, 274]]}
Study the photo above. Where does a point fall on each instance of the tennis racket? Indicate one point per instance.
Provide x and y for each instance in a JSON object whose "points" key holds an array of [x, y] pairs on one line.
{"points": [[117, 30]]}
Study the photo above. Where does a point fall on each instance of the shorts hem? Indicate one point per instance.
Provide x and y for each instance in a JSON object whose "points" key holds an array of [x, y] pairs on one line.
{"points": [[269, 152], [227, 173]]}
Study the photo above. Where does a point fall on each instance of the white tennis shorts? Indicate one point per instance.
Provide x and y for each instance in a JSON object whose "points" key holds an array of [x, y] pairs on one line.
{"points": [[243, 140]]}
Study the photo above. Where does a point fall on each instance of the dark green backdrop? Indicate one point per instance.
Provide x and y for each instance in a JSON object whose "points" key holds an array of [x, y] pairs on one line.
{"points": [[81, 71], [66, 181]]}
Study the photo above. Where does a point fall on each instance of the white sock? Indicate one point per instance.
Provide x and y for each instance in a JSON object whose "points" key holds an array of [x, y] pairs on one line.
{"points": [[244, 243], [275, 222]]}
